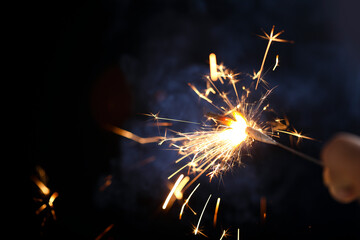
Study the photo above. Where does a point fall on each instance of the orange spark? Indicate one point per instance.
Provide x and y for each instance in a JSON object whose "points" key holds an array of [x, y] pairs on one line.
{"points": [[216, 211], [223, 234], [51, 205], [156, 117], [263, 209], [44, 190], [108, 181], [209, 147], [161, 124], [297, 134], [178, 194], [131, 136], [187, 202], [172, 191], [47, 200], [276, 62], [213, 67], [40, 209], [104, 232], [199, 94], [209, 89], [198, 230], [271, 38]]}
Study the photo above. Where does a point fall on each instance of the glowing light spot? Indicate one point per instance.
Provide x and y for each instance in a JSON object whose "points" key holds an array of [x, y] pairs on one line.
{"points": [[172, 191], [236, 133], [213, 67]]}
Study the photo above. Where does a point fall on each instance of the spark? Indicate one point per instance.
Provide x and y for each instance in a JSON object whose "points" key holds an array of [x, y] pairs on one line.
{"points": [[161, 124], [198, 230], [217, 148], [132, 136], [178, 194], [263, 209], [297, 134], [272, 38], [209, 89], [238, 234], [198, 224], [276, 63], [172, 191], [107, 183], [47, 198], [224, 234], [156, 117], [199, 94], [216, 211], [104, 232], [213, 67], [261, 137], [187, 202], [44, 189]]}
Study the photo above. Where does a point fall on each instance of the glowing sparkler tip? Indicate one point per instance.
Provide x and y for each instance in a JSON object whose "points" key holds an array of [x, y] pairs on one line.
{"points": [[259, 136], [236, 134]]}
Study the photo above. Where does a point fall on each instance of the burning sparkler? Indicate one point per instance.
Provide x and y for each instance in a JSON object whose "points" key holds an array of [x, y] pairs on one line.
{"points": [[217, 147], [219, 144]]}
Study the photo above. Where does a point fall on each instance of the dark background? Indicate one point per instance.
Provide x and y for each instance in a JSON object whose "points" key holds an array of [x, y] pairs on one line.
{"points": [[106, 62]]}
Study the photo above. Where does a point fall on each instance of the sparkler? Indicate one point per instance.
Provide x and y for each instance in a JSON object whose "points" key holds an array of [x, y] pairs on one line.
{"points": [[219, 144], [261, 137], [217, 147]]}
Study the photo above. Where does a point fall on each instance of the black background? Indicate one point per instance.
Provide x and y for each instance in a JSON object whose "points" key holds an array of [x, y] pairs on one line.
{"points": [[91, 64]]}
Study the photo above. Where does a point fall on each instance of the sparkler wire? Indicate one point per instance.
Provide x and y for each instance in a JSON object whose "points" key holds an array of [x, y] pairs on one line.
{"points": [[300, 154], [261, 137]]}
